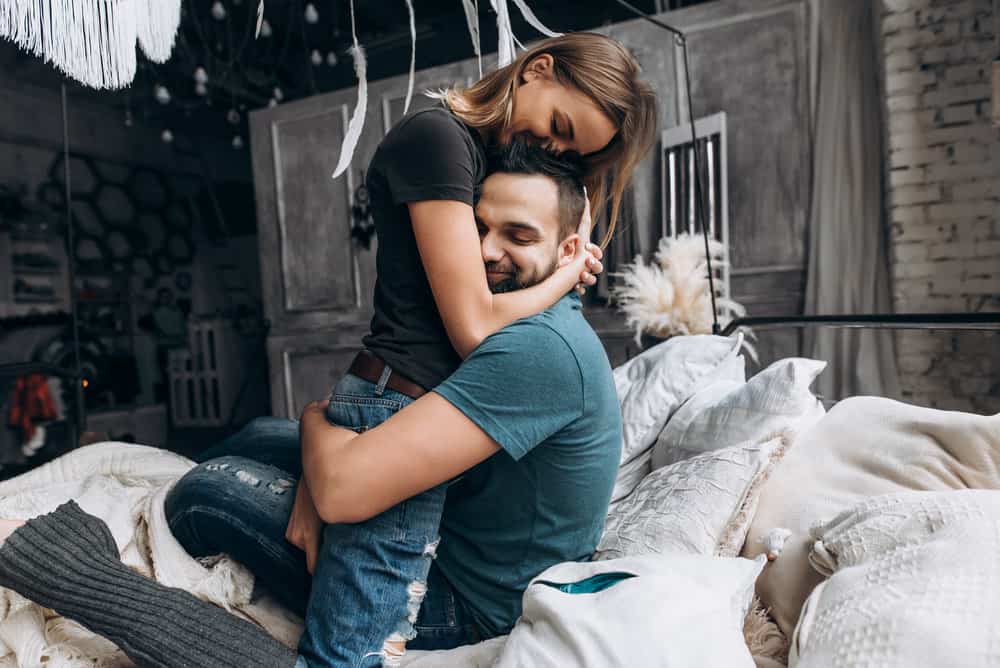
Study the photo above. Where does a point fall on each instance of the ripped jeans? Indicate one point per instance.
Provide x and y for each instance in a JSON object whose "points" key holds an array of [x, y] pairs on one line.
{"points": [[374, 581]]}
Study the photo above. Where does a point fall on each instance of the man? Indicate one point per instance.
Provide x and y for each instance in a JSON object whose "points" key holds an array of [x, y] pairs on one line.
{"points": [[529, 427]]}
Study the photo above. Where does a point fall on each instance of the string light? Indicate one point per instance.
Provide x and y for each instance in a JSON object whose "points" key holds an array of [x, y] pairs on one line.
{"points": [[237, 142], [167, 136], [218, 11], [265, 29], [233, 116], [312, 16], [200, 75], [161, 94], [316, 57], [331, 59]]}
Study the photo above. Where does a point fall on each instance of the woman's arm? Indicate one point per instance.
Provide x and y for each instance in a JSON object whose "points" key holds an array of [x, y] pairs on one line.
{"points": [[452, 259]]}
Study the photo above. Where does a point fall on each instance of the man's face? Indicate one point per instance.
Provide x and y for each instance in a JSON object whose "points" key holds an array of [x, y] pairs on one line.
{"points": [[518, 220]]}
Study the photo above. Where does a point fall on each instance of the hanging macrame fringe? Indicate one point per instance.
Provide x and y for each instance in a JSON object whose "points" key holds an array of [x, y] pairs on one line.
{"points": [[93, 41]]}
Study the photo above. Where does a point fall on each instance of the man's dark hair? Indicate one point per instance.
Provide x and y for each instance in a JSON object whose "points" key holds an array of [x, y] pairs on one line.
{"points": [[566, 169]]}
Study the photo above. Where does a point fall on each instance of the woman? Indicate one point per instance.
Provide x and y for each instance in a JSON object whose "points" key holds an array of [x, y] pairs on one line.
{"points": [[433, 306]]}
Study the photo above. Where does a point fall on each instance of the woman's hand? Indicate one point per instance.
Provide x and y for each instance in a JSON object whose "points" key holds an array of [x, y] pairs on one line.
{"points": [[588, 254], [305, 528]]}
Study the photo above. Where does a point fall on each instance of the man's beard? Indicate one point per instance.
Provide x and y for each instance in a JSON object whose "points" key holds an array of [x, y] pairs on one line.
{"points": [[516, 280]]}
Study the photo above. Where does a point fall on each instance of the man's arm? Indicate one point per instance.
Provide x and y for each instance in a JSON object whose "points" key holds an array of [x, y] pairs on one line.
{"points": [[354, 477]]}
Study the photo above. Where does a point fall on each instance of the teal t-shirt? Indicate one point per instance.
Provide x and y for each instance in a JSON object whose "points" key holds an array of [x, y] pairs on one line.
{"points": [[542, 389]]}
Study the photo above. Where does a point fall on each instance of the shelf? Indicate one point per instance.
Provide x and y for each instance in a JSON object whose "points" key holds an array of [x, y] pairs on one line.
{"points": [[37, 271]]}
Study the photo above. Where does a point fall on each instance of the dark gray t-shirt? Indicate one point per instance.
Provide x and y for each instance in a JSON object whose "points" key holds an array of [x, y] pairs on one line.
{"points": [[428, 155]]}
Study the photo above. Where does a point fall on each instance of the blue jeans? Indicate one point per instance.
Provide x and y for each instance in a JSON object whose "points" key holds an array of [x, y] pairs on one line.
{"points": [[370, 578]]}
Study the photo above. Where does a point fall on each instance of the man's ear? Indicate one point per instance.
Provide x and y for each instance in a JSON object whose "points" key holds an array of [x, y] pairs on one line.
{"points": [[539, 67], [567, 249]]}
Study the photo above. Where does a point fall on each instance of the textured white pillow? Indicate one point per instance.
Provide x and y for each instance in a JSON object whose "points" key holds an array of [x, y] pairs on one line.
{"points": [[652, 385], [702, 505], [678, 610], [916, 582], [726, 411]]}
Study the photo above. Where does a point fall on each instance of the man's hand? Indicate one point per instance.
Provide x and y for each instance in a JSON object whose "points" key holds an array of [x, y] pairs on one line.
{"points": [[305, 528]]}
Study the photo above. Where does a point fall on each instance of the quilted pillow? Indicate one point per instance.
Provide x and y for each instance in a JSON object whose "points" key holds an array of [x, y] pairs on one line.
{"points": [[702, 505], [864, 447], [915, 582], [726, 412], [653, 384]]}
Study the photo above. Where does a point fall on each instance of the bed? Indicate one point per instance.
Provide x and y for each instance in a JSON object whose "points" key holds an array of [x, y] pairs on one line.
{"points": [[792, 534]]}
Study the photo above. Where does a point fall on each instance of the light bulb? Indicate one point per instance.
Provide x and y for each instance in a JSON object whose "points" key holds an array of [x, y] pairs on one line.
{"points": [[316, 57], [200, 75], [237, 142], [278, 94], [201, 89], [167, 136], [272, 103], [218, 11], [233, 116], [331, 59], [312, 16], [161, 94], [265, 29]]}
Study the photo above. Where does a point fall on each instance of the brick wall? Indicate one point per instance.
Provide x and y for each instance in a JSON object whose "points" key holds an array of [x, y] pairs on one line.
{"points": [[943, 192]]}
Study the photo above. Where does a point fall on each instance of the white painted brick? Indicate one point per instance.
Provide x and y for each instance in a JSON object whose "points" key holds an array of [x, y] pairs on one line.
{"points": [[914, 364], [969, 152], [896, 22], [916, 195], [946, 285], [919, 342], [976, 132], [943, 54], [908, 82], [985, 268], [978, 230], [956, 95], [951, 250], [966, 74], [902, 177], [908, 121], [950, 173], [913, 288], [961, 210], [988, 249], [972, 386], [903, 103], [899, 141], [977, 190], [960, 114], [906, 215], [982, 286], [936, 232], [893, 6], [914, 270], [902, 61], [914, 157], [909, 252]]}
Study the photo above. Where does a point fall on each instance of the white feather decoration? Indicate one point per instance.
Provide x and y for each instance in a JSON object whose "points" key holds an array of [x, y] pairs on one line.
{"points": [[472, 18], [413, 56], [93, 41], [505, 34], [533, 21], [357, 123], [670, 296]]}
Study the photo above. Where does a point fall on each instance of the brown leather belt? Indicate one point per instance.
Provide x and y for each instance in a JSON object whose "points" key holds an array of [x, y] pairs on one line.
{"points": [[369, 366]]}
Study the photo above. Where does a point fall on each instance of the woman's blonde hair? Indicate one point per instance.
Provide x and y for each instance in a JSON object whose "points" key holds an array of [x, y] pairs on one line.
{"points": [[603, 70]]}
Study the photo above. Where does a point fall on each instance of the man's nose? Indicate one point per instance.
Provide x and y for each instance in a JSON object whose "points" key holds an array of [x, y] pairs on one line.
{"points": [[492, 251]]}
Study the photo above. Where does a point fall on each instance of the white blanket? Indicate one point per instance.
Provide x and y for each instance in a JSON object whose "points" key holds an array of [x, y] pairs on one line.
{"points": [[125, 486]]}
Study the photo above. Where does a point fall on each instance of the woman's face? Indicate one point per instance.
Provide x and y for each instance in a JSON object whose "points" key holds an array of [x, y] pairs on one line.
{"points": [[559, 117]]}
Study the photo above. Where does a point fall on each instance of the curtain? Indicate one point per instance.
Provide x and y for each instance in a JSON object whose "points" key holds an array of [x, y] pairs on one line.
{"points": [[848, 265]]}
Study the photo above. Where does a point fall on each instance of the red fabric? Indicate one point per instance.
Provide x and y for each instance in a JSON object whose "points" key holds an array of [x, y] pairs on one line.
{"points": [[32, 402]]}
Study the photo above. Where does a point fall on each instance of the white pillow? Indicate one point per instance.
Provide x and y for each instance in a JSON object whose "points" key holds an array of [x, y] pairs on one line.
{"points": [[702, 505], [677, 610], [727, 412], [916, 582], [652, 385]]}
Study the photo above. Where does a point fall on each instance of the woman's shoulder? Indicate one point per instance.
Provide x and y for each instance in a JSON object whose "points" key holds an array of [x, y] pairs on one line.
{"points": [[425, 129]]}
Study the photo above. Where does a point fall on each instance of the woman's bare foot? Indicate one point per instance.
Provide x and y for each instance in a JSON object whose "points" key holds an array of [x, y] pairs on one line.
{"points": [[7, 527]]}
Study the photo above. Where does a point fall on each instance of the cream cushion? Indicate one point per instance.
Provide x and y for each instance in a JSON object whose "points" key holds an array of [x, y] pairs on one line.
{"points": [[915, 582], [864, 447]]}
